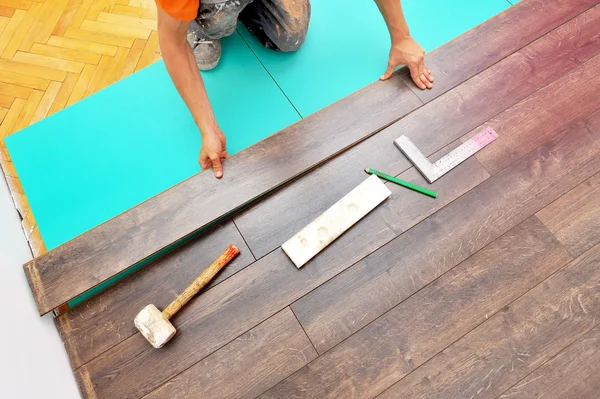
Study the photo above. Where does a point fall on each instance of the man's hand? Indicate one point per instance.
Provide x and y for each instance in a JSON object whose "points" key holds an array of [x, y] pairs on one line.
{"points": [[213, 151], [408, 52]]}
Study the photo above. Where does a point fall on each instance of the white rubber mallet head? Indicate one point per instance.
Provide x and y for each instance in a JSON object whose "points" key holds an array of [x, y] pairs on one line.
{"points": [[155, 325]]}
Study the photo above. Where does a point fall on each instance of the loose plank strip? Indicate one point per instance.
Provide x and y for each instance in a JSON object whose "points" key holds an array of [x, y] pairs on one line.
{"points": [[422, 326], [573, 373], [514, 342], [82, 263], [334, 310], [402, 210], [261, 290], [107, 319], [493, 40], [263, 356], [575, 217], [456, 113]]}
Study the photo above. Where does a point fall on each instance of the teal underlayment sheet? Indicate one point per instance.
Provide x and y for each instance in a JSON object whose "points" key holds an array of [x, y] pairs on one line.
{"points": [[347, 45], [136, 138]]}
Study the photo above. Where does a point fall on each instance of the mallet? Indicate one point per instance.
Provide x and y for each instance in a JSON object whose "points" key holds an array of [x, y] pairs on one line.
{"points": [[155, 325]]}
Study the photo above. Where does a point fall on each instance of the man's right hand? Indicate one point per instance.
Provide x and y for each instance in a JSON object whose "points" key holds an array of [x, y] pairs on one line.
{"points": [[213, 151]]}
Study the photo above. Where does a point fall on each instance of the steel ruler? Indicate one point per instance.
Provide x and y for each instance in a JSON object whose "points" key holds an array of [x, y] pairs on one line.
{"points": [[433, 171]]}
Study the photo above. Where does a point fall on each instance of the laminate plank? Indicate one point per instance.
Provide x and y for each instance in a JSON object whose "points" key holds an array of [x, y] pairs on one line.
{"points": [[565, 100], [259, 291], [107, 319], [247, 366], [340, 307], [575, 217], [485, 44], [71, 269], [271, 283], [382, 224], [514, 342], [573, 373], [267, 224], [436, 316]]}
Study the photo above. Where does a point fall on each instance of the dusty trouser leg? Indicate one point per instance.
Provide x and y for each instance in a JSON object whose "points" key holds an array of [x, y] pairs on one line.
{"points": [[216, 19], [278, 24]]}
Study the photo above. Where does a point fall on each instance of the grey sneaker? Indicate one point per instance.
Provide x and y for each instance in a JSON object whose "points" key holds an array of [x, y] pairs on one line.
{"points": [[206, 51]]}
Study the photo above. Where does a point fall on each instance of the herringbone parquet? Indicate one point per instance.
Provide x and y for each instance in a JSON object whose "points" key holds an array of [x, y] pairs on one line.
{"points": [[53, 53]]}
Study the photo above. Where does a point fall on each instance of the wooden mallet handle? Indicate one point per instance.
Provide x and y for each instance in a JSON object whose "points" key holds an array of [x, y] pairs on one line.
{"points": [[200, 281]]}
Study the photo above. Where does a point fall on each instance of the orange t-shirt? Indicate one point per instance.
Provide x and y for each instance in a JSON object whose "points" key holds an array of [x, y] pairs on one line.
{"points": [[185, 10]]}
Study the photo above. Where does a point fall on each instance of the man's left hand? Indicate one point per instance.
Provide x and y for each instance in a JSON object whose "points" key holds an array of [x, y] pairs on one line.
{"points": [[408, 52]]}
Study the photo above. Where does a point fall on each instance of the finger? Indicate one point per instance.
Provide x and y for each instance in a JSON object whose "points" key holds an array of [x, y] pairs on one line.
{"points": [[428, 74], [224, 155], [425, 81], [414, 74], [388, 73], [217, 167]]}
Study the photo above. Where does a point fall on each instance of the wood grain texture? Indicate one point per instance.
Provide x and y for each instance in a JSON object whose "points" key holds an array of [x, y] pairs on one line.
{"points": [[340, 307], [504, 34], [263, 356], [426, 323], [107, 319], [575, 217], [566, 99], [258, 292], [81, 263], [573, 373], [271, 221], [516, 341]]}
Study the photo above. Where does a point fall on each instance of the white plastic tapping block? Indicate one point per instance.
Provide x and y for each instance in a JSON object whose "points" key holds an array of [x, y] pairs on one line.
{"points": [[336, 220]]}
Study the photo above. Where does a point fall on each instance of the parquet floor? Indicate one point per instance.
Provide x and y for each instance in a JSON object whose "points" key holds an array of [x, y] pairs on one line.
{"points": [[54, 53]]}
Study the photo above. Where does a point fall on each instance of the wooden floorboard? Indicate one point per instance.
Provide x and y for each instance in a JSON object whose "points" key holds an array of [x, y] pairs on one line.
{"points": [[334, 311], [263, 356], [555, 106], [515, 341], [80, 264], [267, 224], [573, 373], [415, 331], [252, 295], [575, 217], [105, 320], [504, 34]]}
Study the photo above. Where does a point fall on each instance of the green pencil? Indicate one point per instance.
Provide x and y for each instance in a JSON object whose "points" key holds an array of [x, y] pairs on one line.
{"points": [[402, 182]]}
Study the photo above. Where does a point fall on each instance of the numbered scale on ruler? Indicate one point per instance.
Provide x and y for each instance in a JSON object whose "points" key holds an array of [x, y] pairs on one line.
{"points": [[433, 171]]}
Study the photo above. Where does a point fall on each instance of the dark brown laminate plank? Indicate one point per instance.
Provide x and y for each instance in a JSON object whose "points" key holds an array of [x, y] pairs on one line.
{"points": [[573, 373], [426, 323], [99, 254], [247, 366], [334, 310], [132, 368], [270, 222], [257, 292], [567, 99], [574, 218], [503, 34], [107, 319], [515, 341]]}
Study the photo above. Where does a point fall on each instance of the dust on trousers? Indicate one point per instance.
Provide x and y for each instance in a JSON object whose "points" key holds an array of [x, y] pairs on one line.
{"points": [[278, 24]]}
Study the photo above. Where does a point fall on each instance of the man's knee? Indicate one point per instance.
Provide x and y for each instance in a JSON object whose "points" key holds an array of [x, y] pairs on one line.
{"points": [[217, 20], [294, 26]]}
